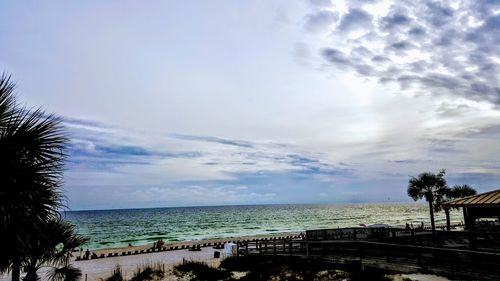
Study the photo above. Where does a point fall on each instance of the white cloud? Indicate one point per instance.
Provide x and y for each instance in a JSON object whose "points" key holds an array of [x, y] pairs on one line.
{"points": [[404, 87]]}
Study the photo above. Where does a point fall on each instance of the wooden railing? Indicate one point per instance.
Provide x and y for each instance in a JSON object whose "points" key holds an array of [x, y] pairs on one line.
{"points": [[405, 258], [471, 240], [356, 233]]}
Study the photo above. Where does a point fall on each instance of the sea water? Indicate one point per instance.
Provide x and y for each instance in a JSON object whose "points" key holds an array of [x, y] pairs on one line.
{"points": [[119, 228]]}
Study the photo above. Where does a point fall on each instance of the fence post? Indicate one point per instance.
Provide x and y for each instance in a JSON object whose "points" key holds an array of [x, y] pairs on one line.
{"points": [[361, 257]]}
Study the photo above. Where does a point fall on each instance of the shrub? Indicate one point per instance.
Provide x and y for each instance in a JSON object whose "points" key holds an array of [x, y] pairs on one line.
{"points": [[116, 276], [201, 271]]}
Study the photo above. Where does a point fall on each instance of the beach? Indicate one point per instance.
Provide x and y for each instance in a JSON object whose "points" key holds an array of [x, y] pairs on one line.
{"points": [[101, 268], [98, 268]]}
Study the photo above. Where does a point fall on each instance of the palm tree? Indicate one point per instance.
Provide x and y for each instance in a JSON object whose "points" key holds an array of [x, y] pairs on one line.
{"points": [[31, 162], [456, 192], [52, 247], [461, 191], [430, 186]]}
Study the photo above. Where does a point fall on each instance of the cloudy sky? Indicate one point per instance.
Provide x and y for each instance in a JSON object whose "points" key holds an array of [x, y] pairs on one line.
{"points": [[178, 103]]}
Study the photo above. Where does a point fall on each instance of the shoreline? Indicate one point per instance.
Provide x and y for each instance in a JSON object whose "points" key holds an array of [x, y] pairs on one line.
{"points": [[173, 246], [186, 243]]}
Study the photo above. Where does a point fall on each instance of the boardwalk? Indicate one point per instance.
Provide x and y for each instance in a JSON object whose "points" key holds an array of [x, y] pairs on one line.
{"points": [[364, 247]]}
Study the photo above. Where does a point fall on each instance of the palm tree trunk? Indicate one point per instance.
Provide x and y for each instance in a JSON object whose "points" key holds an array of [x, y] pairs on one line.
{"points": [[448, 224], [16, 270], [31, 275], [431, 210]]}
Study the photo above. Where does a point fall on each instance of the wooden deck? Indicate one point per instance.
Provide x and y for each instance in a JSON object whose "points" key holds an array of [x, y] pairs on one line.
{"points": [[382, 248]]}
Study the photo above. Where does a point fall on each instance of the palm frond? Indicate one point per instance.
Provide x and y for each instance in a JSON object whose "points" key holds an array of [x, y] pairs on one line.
{"points": [[65, 273], [7, 100], [32, 145], [461, 191]]}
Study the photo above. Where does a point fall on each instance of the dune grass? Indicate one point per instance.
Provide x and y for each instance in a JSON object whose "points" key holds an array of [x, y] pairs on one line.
{"points": [[255, 268], [201, 271], [144, 273]]}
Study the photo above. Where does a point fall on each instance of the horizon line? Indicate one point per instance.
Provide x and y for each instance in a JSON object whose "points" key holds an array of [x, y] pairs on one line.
{"points": [[242, 205]]}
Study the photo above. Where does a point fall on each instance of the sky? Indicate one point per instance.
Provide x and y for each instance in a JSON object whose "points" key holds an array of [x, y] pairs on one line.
{"points": [[184, 103]]}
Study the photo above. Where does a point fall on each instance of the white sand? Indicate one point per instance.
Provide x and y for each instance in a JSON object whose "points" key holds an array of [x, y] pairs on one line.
{"points": [[101, 268]]}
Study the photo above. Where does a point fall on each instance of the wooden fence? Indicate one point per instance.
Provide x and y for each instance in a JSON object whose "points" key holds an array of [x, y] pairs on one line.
{"points": [[390, 249]]}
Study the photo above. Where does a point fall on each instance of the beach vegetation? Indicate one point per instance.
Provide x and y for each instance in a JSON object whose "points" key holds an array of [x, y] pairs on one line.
{"points": [[456, 192], [116, 276], [432, 187], [294, 268], [199, 271], [257, 268], [149, 273], [144, 273], [52, 247], [65, 273], [32, 145]]}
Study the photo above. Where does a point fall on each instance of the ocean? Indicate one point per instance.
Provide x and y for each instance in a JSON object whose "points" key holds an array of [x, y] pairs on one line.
{"points": [[118, 228]]}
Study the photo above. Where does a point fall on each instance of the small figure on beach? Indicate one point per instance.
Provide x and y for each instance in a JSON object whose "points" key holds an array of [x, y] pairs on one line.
{"points": [[159, 244], [154, 245], [87, 254], [130, 244]]}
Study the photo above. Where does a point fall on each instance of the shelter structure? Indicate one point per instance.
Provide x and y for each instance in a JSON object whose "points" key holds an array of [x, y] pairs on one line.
{"points": [[484, 205]]}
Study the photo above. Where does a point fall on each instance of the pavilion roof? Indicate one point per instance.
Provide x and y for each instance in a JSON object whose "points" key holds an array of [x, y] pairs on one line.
{"points": [[487, 199]]}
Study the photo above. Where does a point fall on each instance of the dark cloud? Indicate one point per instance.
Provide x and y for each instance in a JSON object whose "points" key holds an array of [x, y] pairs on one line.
{"points": [[320, 20], [83, 122], [405, 161], [396, 20], [355, 19], [381, 59], [99, 152], [417, 31], [361, 52], [214, 140], [427, 47], [401, 45], [444, 146], [320, 3], [96, 145], [437, 14], [335, 56]]}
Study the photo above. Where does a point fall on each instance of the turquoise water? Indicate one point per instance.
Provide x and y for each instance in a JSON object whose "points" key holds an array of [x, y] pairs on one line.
{"points": [[118, 228]]}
